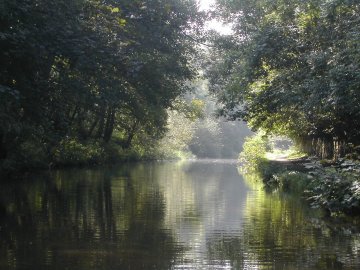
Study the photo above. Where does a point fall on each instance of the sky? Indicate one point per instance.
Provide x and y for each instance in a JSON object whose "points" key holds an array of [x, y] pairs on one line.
{"points": [[214, 24]]}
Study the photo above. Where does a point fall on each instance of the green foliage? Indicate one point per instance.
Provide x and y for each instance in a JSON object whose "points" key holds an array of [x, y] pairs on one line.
{"points": [[288, 181], [335, 191], [254, 152], [72, 152], [334, 187], [86, 69], [283, 148], [192, 110], [207, 139], [292, 69], [180, 132], [27, 154]]}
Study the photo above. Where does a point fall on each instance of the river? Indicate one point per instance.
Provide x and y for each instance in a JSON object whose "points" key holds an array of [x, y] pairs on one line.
{"points": [[165, 215]]}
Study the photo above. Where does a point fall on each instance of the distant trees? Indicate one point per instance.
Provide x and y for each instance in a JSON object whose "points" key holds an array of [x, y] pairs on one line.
{"points": [[212, 136], [86, 68], [292, 68], [193, 130]]}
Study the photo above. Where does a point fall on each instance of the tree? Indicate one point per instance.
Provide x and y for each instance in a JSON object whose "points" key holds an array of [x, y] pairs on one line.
{"points": [[291, 68], [86, 68]]}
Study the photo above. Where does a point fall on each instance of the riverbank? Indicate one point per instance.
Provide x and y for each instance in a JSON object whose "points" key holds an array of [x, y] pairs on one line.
{"points": [[70, 153], [333, 186]]}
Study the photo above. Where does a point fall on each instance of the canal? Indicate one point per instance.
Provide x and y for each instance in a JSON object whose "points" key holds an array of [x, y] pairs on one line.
{"points": [[165, 215]]}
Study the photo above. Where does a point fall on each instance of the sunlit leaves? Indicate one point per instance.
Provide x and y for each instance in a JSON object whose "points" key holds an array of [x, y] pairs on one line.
{"points": [[294, 67]]}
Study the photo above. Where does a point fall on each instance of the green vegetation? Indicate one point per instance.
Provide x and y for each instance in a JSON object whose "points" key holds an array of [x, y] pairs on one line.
{"points": [[334, 187], [91, 82], [86, 81], [254, 154], [292, 68], [259, 148], [327, 188]]}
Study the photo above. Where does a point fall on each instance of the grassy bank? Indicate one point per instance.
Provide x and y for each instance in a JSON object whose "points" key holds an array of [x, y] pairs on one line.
{"points": [[333, 186]]}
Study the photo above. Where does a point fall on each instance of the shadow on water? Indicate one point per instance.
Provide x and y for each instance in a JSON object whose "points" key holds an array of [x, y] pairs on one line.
{"points": [[163, 215], [86, 219]]}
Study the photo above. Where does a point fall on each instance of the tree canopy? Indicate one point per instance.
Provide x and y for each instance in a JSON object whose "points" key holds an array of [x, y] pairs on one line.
{"points": [[292, 68], [86, 68]]}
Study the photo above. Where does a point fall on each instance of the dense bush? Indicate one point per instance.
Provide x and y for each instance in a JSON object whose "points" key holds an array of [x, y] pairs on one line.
{"points": [[28, 154], [335, 191], [254, 151], [333, 186], [328, 188], [72, 152]]}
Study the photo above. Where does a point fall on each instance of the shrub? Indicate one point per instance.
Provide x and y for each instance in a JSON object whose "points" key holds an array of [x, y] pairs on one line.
{"points": [[254, 150], [72, 152], [28, 154], [337, 192]]}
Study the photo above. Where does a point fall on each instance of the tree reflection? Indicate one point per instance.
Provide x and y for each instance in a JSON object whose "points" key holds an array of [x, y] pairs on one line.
{"points": [[164, 216], [282, 233], [85, 220]]}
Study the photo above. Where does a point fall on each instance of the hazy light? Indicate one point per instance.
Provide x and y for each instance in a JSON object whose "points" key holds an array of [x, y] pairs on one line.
{"points": [[205, 4], [224, 29]]}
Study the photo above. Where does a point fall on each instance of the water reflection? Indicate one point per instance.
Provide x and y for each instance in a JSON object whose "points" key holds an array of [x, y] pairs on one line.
{"points": [[281, 232], [206, 200], [167, 215], [102, 219]]}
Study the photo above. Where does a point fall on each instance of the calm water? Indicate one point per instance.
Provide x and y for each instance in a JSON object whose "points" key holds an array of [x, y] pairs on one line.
{"points": [[192, 215]]}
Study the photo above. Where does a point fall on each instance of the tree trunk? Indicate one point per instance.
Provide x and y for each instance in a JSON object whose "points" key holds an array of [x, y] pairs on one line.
{"points": [[72, 116], [100, 131], [109, 127], [92, 128], [82, 133], [131, 134]]}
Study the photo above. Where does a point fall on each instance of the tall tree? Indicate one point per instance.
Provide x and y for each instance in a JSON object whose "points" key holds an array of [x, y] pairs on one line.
{"points": [[84, 68], [292, 68]]}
